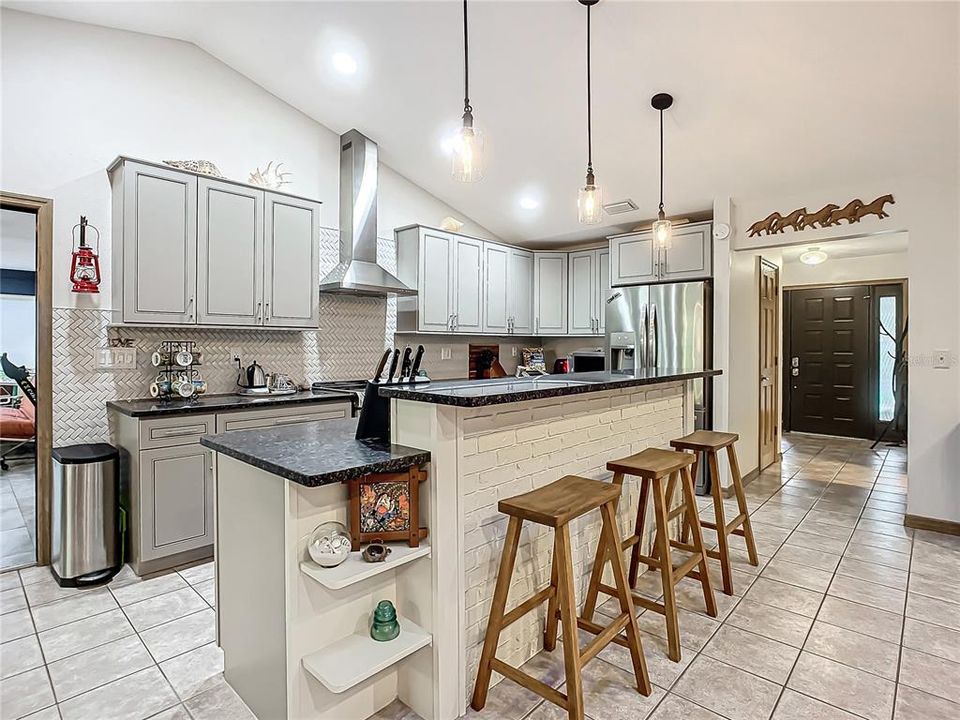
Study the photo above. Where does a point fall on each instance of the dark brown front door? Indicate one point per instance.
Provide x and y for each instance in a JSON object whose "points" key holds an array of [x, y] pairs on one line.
{"points": [[829, 363]]}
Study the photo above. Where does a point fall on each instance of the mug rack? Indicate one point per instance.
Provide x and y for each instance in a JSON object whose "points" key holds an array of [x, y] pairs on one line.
{"points": [[171, 370]]}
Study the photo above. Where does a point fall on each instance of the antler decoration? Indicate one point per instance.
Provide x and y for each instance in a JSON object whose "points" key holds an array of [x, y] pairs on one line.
{"points": [[827, 216], [270, 177]]}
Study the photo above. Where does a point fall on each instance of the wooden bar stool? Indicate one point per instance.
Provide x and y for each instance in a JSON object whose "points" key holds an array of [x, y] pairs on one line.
{"points": [[652, 465], [555, 505], [710, 442]]}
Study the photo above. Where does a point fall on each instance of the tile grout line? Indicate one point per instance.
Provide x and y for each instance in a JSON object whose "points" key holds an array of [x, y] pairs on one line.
{"points": [[903, 629]]}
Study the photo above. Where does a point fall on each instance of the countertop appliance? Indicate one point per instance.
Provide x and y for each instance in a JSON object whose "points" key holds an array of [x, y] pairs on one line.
{"points": [[252, 377], [588, 360], [665, 326]]}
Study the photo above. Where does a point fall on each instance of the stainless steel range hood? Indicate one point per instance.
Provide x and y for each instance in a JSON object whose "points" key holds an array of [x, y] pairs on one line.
{"points": [[358, 272]]}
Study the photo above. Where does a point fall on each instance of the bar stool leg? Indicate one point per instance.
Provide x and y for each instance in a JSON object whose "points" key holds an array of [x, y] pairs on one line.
{"points": [[568, 619], [495, 623], [600, 561], [691, 500], [685, 532], [609, 512], [742, 504], [550, 630], [671, 489], [638, 529], [666, 572], [721, 522]]}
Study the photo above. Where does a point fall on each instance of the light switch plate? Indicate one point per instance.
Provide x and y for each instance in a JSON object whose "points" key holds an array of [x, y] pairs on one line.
{"points": [[941, 359], [444, 353], [116, 358]]}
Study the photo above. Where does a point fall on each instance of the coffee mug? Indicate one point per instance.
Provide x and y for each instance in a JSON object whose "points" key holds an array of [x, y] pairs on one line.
{"points": [[160, 386], [183, 387], [160, 358], [199, 386], [183, 358]]}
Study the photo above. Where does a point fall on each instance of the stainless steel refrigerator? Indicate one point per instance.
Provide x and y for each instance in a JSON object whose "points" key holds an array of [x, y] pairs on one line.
{"points": [[668, 327]]}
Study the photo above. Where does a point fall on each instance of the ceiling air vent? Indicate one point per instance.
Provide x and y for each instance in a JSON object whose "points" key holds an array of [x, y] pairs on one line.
{"points": [[620, 207]]}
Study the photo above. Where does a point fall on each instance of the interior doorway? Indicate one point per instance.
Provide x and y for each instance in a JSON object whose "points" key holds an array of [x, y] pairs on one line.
{"points": [[26, 412], [769, 363], [842, 345]]}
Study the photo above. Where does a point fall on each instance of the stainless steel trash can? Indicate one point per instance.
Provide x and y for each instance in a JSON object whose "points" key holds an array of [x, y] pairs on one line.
{"points": [[85, 525]]}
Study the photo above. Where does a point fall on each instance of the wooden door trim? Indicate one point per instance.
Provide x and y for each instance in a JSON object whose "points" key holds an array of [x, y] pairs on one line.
{"points": [[43, 208], [766, 264]]}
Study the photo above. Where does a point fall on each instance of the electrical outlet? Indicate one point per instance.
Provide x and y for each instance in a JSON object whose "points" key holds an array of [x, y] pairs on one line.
{"points": [[513, 351], [941, 359], [444, 353], [117, 358]]}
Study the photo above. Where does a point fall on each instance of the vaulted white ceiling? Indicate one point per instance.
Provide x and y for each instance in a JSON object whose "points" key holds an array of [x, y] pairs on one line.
{"points": [[770, 97]]}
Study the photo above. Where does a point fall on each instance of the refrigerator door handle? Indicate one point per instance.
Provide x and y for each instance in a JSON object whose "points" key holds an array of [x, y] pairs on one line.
{"points": [[655, 337], [644, 339]]}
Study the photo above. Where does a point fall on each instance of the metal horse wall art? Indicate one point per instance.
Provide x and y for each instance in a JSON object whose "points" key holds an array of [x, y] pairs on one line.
{"points": [[827, 216]]}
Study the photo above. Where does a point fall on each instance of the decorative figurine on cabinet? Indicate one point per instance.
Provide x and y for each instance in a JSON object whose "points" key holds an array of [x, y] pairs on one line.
{"points": [[386, 507], [385, 626]]}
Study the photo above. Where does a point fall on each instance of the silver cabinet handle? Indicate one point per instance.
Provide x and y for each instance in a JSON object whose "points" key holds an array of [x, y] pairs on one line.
{"points": [[178, 431], [537, 325], [259, 310], [450, 322], [295, 419], [190, 309], [266, 312]]}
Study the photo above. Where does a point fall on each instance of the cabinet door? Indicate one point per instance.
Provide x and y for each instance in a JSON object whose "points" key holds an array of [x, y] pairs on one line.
{"points": [[520, 291], [468, 286], [633, 259], [159, 245], [176, 500], [291, 262], [603, 289], [229, 254], [435, 296], [550, 293], [581, 319], [690, 254], [496, 260]]}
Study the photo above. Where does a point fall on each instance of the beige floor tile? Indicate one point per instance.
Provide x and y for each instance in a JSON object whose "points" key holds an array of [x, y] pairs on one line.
{"points": [[868, 593], [695, 629], [879, 556], [886, 542], [754, 653], [862, 619], [85, 671], [817, 527], [819, 559], [885, 528], [80, 635], [931, 610], [25, 693], [12, 600], [47, 590], [207, 591], [913, 704], [689, 595], [195, 671], [813, 541], [178, 712], [134, 697], [144, 589], [662, 670], [786, 597], [609, 692], [674, 707], [16, 624], [933, 639], [880, 574], [799, 575], [196, 574], [844, 687], [18, 656], [180, 635], [75, 608], [931, 674], [941, 588], [794, 706], [506, 700], [164, 608], [726, 690], [854, 649], [771, 622]]}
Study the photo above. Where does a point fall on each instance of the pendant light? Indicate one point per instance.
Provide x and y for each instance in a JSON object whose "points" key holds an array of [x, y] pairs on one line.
{"points": [[662, 228], [589, 199], [468, 146]]}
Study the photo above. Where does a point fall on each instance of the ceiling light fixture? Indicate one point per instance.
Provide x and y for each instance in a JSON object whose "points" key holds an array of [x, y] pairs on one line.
{"points": [[589, 198], [468, 147], [344, 63], [813, 256], [662, 229], [529, 203]]}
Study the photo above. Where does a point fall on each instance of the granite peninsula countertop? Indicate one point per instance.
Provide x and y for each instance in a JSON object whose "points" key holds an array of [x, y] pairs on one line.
{"points": [[477, 393], [151, 407], [314, 453]]}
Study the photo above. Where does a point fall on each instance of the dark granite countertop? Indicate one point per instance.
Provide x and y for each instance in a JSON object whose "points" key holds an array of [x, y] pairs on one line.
{"points": [[151, 407], [314, 453], [477, 393]]}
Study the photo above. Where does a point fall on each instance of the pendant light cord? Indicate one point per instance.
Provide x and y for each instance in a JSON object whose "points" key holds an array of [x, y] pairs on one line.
{"points": [[661, 161], [466, 63], [589, 102]]}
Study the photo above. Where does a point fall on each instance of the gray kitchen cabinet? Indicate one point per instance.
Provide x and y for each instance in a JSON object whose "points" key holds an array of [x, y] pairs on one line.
{"points": [[550, 293], [176, 500], [291, 265], [468, 285], [496, 260], [603, 288], [635, 261], [274, 417], [229, 254], [520, 291], [198, 250], [589, 285], [154, 249]]}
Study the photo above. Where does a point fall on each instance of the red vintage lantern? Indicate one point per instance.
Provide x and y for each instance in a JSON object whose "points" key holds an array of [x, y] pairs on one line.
{"points": [[85, 265]]}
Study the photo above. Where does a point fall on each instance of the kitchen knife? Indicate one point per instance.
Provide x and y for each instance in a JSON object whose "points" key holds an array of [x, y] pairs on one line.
{"points": [[416, 362], [393, 364], [405, 367], [381, 366]]}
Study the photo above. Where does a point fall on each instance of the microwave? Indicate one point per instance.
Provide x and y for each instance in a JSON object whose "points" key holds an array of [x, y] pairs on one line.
{"points": [[588, 360]]}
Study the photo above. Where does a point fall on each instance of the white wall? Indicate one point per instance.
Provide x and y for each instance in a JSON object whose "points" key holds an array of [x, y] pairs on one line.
{"points": [[75, 96], [889, 266]]}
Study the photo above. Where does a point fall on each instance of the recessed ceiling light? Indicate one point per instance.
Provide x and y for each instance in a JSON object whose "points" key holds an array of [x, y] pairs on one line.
{"points": [[813, 256], [529, 203], [344, 63]]}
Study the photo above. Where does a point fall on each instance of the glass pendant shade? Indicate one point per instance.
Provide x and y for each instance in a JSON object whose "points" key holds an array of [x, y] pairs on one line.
{"points": [[468, 159], [663, 234], [590, 203]]}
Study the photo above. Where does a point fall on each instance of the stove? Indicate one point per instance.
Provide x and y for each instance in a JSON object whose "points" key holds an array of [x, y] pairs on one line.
{"points": [[352, 388]]}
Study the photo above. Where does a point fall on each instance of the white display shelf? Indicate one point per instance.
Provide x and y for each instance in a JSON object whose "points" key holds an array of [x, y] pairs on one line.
{"points": [[355, 568], [353, 659]]}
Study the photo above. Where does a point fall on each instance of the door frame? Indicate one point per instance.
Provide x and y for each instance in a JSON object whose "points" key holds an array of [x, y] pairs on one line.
{"points": [[778, 364], [900, 283], [43, 209]]}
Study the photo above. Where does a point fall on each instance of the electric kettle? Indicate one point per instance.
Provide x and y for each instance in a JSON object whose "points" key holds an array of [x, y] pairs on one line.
{"points": [[251, 377]]}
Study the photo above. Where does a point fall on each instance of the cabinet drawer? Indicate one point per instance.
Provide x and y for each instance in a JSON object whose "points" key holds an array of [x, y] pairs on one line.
{"points": [[178, 430], [249, 419]]}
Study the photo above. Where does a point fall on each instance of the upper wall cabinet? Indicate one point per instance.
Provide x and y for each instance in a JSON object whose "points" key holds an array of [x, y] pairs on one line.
{"points": [[198, 250], [550, 293], [520, 291], [508, 290], [589, 288], [635, 261]]}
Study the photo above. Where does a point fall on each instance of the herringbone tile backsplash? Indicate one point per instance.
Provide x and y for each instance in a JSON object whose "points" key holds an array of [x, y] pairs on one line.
{"points": [[352, 334]]}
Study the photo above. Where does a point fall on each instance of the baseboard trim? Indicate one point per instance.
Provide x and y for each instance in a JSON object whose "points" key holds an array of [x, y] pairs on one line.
{"points": [[919, 522], [745, 480]]}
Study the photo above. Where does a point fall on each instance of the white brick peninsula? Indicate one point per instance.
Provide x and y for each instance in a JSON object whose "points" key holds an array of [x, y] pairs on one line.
{"points": [[490, 440]]}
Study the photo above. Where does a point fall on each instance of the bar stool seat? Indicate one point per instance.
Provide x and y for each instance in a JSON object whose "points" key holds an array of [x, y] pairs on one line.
{"points": [[652, 466], [710, 443], [555, 505]]}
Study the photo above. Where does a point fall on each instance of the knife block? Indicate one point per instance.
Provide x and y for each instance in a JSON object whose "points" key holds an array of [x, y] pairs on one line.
{"points": [[374, 422]]}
